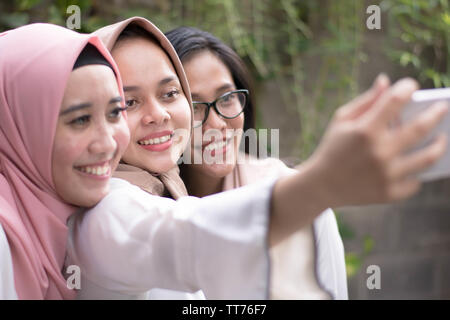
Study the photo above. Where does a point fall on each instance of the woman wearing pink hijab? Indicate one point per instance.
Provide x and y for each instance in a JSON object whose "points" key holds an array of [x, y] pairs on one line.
{"points": [[54, 129]]}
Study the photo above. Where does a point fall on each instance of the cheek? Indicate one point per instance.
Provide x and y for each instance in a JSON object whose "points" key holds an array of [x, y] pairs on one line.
{"points": [[237, 123], [122, 135], [66, 152], [132, 122]]}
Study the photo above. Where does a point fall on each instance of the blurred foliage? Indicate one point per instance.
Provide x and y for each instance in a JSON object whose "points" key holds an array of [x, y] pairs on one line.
{"points": [[354, 259], [424, 31], [312, 50]]}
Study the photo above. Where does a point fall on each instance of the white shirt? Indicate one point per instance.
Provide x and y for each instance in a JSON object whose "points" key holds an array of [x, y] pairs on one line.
{"points": [[330, 258], [7, 288], [132, 242], [309, 264]]}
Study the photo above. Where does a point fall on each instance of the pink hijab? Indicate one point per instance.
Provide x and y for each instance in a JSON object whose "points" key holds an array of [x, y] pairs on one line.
{"points": [[35, 63]]}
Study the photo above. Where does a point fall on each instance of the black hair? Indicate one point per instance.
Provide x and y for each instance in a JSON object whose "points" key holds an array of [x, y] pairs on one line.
{"points": [[133, 31], [188, 41], [90, 55]]}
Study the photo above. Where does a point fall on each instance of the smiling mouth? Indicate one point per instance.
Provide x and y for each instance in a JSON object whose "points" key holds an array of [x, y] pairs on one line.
{"points": [[95, 170], [218, 145], [155, 141]]}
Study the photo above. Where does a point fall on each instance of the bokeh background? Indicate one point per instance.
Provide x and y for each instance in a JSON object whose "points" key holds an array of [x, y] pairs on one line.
{"points": [[308, 58]]}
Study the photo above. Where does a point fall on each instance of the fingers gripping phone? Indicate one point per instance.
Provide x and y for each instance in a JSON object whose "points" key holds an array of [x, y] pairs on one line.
{"points": [[421, 100]]}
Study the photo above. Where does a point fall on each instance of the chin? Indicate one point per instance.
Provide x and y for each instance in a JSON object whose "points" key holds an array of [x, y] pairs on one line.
{"points": [[91, 199], [155, 167], [218, 170]]}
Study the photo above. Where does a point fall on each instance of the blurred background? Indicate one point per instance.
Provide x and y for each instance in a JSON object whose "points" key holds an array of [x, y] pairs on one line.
{"points": [[307, 58]]}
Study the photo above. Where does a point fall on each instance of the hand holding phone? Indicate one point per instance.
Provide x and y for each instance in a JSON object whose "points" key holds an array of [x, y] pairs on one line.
{"points": [[421, 100]]}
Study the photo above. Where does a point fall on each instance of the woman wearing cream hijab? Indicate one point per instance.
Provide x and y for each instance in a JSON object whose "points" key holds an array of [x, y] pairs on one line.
{"points": [[133, 241]]}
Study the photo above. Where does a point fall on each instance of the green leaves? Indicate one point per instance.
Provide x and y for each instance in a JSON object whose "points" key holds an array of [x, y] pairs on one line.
{"points": [[424, 29], [14, 20], [313, 50], [353, 263], [23, 5], [354, 259]]}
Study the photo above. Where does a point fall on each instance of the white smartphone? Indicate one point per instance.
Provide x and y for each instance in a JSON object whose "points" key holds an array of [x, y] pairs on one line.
{"points": [[421, 100]]}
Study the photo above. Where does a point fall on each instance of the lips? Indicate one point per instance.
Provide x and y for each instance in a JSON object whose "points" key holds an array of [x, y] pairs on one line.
{"points": [[155, 140], [99, 170], [158, 141], [217, 147]]}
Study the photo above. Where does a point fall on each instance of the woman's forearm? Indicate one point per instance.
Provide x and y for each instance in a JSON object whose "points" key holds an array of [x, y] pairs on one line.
{"points": [[297, 200], [361, 159]]}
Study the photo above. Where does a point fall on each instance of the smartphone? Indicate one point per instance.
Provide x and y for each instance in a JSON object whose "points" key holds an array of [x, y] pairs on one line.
{"points": [[422, 99]]}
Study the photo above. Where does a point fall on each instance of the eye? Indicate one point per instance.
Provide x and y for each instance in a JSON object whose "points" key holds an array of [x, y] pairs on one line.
{"points": [[116, 113], [131, 103], [230, 97], [172, 94], [198, 107], [81, 121]]}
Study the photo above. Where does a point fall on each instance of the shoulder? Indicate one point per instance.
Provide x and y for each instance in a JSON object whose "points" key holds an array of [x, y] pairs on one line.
{"points": [[124, 201], [122, 191]]}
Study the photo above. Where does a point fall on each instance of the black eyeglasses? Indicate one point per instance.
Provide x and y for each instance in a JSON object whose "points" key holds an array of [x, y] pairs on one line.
{"points": [[228, 106]]}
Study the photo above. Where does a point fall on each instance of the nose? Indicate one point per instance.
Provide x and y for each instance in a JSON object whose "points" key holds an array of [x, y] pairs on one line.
{"points": [[155, 113], [104, 143]]}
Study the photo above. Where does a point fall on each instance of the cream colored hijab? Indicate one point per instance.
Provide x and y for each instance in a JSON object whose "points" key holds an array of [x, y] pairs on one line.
{"points": [[168, 183]]}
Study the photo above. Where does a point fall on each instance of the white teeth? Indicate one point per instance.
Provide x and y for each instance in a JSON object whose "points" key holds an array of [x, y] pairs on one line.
{"points": [[215, 145], [155, 141], [98, 171]]}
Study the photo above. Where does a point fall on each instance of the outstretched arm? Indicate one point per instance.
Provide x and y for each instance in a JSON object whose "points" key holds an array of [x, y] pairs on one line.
{"points": [[361, 158]]}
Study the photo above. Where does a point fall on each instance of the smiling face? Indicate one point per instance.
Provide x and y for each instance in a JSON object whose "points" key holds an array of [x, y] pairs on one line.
{"points": [[159, 115], [91, 135], [209, 78]]}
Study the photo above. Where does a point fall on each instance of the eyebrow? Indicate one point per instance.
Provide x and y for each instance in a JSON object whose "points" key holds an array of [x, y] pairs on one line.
{"points": [[87, 105], [224, 87], [168, 80], [160, 83], [219, 91], [130, 88]]}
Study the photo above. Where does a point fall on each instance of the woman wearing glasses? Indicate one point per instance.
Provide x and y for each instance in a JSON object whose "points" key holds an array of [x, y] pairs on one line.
{"points": [[314, 265]]}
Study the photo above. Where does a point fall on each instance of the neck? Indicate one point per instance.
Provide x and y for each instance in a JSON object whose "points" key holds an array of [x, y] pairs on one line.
{"points": [[199, 184]]}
